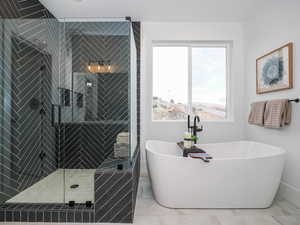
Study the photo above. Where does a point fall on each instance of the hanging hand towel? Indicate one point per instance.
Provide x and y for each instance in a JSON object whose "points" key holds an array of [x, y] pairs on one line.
{"points": [[277, 113], [256, 115]]}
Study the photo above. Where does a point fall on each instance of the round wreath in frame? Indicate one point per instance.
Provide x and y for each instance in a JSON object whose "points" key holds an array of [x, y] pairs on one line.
{"points": [[273, 70]]}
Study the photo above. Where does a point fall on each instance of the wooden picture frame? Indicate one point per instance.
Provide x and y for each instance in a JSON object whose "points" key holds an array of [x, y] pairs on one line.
{"points": [[274, 70]]}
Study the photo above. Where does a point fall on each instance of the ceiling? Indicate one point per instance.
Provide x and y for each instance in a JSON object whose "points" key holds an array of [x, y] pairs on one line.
{"points": [[159, 10]]}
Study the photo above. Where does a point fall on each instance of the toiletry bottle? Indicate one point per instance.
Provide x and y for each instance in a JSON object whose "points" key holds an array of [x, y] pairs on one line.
{"points": [[187, 140]]}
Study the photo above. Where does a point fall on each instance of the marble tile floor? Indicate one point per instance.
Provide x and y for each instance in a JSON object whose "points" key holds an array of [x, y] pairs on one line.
{"points": [[56, 188], [148, 212]]}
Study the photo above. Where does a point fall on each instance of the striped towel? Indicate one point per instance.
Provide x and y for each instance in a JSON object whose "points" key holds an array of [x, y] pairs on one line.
{"points": [[277, 113], [123, 138], [256, 115], [121, 150]]}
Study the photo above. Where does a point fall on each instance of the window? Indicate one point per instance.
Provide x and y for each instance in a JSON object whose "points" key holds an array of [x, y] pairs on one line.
{"points": [[190, 79]]}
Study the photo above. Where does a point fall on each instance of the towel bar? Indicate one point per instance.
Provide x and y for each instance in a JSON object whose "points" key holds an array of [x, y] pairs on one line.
{"points": [[297, 100]]}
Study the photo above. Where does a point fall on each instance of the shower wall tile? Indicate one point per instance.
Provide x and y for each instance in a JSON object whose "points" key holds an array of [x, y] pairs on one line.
{"points": [[46, 213], [27, 68], [92, 42], [86, 145], [136, 178], [116, 190], [113, 98], [55, 212], [97, 47], [105, 106], [109, 101], [23, 9]]}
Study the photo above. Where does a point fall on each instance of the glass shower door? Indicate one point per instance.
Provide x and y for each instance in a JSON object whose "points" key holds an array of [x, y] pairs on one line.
{"points": [[95, 106], [28, 111], [28, 77]]}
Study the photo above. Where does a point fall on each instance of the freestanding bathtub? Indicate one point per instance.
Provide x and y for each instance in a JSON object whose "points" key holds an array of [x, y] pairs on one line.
{"points": [[241, 175]]}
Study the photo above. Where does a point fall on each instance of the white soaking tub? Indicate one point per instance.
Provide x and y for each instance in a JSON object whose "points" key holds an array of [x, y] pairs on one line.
{"points": [[241, 175]]}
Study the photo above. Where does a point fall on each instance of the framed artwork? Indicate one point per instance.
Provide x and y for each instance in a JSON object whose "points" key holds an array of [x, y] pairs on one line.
{"points": [[274, 71]]}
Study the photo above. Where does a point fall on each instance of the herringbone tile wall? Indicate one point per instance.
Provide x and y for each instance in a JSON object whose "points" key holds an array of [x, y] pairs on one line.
{"points": [[116, 191], [29, 71], [28, 79], [23, 9], [87, 145], [105, 111]]}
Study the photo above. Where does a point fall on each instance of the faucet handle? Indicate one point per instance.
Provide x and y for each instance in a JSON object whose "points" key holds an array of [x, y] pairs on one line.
{"points": [[200, 129]]}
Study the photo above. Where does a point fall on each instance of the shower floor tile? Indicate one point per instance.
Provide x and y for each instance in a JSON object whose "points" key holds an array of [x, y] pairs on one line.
{"points": [[56, 188]]}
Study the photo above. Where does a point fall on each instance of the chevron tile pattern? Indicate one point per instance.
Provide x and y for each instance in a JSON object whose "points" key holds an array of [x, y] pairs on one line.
{"points": [[113, 197], [91, 135], [26, 133], [98, 47], [135, 177], [23, 9], [115, 192], [34, 133], [113, 97], [26, 81], [87, 145]]}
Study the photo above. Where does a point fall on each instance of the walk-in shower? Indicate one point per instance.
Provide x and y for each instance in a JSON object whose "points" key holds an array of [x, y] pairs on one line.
{"points": [[69, 123]]}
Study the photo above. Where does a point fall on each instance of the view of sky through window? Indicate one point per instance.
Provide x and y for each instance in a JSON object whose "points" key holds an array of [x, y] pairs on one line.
{"points": [[171, 82], [209, 82]]}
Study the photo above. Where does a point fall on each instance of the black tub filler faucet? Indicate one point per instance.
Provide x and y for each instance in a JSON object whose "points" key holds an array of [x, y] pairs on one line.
{"points": [[195, 128]]}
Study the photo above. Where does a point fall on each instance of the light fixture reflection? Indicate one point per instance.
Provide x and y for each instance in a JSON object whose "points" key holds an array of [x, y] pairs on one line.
{"points": [[100, 67]]}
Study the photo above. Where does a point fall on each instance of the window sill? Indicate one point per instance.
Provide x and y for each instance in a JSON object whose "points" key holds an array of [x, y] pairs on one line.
{"points": [[185, 121]]}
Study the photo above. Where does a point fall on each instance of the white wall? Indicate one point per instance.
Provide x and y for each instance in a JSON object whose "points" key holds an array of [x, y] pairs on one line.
{"points": [[174, 131], [274, 27]]}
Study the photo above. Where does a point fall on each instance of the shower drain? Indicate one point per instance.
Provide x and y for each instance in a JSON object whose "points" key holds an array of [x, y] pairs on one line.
{"points": [[73, 186]]}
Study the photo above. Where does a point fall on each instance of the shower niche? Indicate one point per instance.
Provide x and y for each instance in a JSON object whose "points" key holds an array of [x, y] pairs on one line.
{"points": [[68, 117]]}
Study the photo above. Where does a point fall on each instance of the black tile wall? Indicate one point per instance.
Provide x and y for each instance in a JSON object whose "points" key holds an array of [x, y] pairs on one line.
{"points": [[86, 145], [113, 98], [136, 178], [27, 67], [34, 134], [116, 190], [94, 42], [23, 9], [113, 48], [128, 179], [46, 213]]}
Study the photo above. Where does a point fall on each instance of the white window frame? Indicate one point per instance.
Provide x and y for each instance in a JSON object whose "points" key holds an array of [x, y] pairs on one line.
{"points": [[194, 44]]}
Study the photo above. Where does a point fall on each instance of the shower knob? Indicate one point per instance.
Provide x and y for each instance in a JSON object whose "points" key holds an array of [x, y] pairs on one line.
{"points": [[34, 103]]}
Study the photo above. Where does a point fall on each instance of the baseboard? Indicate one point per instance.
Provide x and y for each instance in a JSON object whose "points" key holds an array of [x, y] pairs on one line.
{"points": [[289, 193]]}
